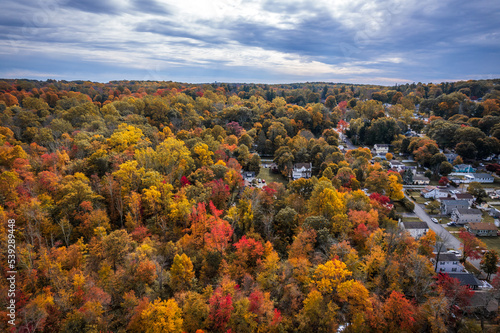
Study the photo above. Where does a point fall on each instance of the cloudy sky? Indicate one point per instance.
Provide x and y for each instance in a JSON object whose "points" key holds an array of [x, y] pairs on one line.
{"points": [[270, 41]]}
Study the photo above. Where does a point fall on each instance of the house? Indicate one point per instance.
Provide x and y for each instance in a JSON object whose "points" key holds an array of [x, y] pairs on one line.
{"points": [[466, 279], [447, 205], [463, 196], [465, 168], [416, 229], [381, 148], [396, 165], [428, 192], [463, 216], [447, 263], [248, 175], [419, 179], [482, 229], [302, 170], [479, 177], [433, 192], [450, 157]]}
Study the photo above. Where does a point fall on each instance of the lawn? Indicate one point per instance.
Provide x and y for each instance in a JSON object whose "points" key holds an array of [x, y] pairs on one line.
{"points": [[410, 219], [493, 243], [265, 173]]}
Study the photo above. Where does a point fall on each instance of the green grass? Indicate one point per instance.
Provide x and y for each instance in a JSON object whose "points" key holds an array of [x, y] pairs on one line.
{"points": [[265, 173], [420, 200], [410, 219], [493, 243]]}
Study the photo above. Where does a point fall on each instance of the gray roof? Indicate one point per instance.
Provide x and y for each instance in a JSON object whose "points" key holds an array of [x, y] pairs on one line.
{"points": [[447, 257], [464, 196], [466, 279], [482, 175], [452, 202], [470, 211], [415, 225]]}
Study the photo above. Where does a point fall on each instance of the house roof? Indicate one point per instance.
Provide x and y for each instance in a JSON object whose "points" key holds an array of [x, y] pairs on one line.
{"points": [[465, 196], [381, 145], [482, 226], [469, 211], [415, 225], [453, 202], [302, 165], [461, 166], [447, 257], [482, 175], [466, 279], [420, 177], [428, 189]]}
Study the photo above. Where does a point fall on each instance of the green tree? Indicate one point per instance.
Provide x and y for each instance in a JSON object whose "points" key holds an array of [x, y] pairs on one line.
{"points": [[489, 263]]}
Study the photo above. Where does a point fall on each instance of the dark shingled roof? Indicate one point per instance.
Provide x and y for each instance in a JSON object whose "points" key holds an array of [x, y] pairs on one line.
{"points": [[469, 211], [447, 257], [466, 279], [415, 225]]}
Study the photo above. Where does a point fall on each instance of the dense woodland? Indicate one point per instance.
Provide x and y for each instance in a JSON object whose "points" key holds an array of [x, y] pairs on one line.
{"points": [[132, 214]]}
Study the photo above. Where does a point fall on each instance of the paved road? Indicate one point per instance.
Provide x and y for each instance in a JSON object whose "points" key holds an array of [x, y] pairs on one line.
{"points": [[451, 242]]}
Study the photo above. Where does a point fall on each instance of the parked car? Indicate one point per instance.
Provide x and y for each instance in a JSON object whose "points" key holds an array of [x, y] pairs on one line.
{"points": [[451, 224], [263, 181], [434, 220]]}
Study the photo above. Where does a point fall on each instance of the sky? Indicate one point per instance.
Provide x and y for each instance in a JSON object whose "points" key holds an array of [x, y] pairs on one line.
{"points": [[260, 41]]}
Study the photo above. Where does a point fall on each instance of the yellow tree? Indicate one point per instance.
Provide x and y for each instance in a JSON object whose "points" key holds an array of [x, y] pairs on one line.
{"points": [[162, 316], [329, 276], [395, 187], [181, 272]]}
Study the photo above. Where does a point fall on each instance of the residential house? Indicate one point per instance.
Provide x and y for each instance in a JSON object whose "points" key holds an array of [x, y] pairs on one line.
{"points": [[463, 216], [466, 279], [396, 165], [450, 157], [463, 196], [479, 177], [465, 168], [381, 148], [447, 205], [447, 263], [302, 170], [420, 179], [248, 175], [432, 192], [482, 229], [416, 229]]}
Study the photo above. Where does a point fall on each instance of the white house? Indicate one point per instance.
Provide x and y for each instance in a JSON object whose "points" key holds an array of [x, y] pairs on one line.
{"points": [[381, 148], [448, 263], [433, 192], [463, 216], [302, 170], [419, 179], [416, 229], [479, 177]]}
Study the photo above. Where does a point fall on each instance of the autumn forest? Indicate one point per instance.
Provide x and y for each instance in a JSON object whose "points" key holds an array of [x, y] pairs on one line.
{"points": [[134, 213]]}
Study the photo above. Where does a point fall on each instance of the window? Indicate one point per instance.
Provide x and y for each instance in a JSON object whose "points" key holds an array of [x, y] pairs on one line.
{"points": [[441, 262], [441, 269], [455, 263], [454, 269]]}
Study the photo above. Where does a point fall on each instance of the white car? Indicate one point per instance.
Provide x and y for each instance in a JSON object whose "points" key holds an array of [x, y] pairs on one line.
{"points": [[434, 220], [451, 224]]}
